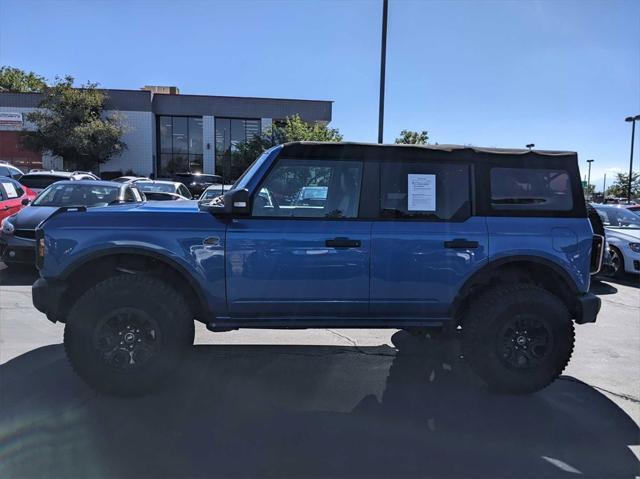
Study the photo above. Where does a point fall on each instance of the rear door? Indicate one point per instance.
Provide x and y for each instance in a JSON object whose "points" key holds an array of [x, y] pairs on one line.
{"points": [[426, 242], [10, 198], [303, 251]]}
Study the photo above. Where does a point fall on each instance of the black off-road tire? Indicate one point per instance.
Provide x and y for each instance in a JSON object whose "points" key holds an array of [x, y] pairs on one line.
{"points": [[168, 328], [489, 321]]}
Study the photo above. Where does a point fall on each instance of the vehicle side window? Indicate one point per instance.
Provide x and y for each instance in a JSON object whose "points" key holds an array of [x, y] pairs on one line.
{"points": [[129, 197], [424, 190], [184, 191], [310, 189], [15, 173], [4, 171], [10, 190], [530, 189]]}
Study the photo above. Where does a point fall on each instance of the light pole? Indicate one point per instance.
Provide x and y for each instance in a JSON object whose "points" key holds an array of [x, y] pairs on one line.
{"points": [[530, 145], [632, 119], [383, 63], [589, 179], [604, 187]]}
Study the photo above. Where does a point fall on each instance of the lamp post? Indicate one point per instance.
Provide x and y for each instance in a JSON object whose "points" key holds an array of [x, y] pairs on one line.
{"points": [[530, 145], [632, 119], [589, 179], [383, 62]]}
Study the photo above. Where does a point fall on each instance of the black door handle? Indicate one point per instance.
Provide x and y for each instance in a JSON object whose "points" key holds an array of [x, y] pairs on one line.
{"points": [[461, 243], [342, 243]]}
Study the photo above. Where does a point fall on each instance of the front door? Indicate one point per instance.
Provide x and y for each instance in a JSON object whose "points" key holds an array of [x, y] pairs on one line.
{"points": [[303, 251], [426, 242]]}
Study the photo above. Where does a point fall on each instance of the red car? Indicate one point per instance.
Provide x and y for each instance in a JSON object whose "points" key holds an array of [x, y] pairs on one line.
{"points": [[13, 197]]}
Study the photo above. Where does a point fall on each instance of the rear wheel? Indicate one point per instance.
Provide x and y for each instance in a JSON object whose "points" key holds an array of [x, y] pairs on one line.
{"points": [[125, 335], [518, 338]]}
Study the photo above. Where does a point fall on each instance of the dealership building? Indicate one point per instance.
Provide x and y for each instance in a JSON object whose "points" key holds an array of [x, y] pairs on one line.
{"points": [[165, 131]]}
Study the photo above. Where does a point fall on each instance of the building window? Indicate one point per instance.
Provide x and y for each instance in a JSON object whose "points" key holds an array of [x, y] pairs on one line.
{"points": [[229, 133], [180, 144]]}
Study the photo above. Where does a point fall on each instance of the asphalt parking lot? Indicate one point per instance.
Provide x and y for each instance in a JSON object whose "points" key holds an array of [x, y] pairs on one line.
{"points": [[320, 403]]}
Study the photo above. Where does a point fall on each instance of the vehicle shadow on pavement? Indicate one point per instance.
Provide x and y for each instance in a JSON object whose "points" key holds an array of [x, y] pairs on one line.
{"points": [[307, 411], [17, 276]]}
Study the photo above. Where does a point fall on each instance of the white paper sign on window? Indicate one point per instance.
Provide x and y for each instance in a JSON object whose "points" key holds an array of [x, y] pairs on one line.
{"points": [[422, 193], [10, 189]]}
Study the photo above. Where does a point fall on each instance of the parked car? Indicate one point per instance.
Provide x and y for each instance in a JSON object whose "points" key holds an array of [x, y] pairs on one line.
{"points": [[634, 209], [491, 246], [8, 170], [17, 236], [160, 186], [622, 229], [213, 191], [13, 197], [40, 180], [197, 182], [127, 179], [163, 196]]}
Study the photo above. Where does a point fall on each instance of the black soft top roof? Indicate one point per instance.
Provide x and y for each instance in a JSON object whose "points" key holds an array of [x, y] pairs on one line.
{"points": [[354, 150]]}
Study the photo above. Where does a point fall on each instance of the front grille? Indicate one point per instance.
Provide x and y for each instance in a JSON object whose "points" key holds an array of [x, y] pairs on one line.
{"points": [[26, 234]]}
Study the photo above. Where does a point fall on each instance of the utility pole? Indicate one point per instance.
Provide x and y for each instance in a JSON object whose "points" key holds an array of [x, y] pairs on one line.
{"points": [[604, 187], [632, 119], [589, 179], [383, 64]]}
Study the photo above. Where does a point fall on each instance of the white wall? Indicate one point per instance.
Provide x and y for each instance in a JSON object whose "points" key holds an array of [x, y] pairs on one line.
{"points": [[139, 138]]}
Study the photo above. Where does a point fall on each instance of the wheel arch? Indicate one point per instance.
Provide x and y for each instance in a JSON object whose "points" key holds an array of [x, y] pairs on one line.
{"points": [[524, 268], [87, 271]]}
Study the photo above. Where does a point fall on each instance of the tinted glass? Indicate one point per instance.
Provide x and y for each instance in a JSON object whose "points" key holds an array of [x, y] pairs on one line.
{"points": [[129, 197], [424, 190], [230, 134], [4, 171], [530, 189], [77, 195], [39, 181], [311, 189]]}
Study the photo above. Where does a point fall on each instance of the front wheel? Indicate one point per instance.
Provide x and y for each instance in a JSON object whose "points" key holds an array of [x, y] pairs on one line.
{"points": [[518, 338], [125, 335], [617, 262]]}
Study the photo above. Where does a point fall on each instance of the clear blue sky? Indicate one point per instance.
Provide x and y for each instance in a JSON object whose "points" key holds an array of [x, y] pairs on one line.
{"points": [[561, 74]]}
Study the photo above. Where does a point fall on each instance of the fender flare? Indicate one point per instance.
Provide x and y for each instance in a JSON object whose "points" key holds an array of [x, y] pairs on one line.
{"points": [[489, 268], [140, 251]]}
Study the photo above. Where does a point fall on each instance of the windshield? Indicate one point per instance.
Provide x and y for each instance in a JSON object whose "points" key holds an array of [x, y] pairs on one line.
{"points": [[619, 218], [77, 195], [161, 187]]}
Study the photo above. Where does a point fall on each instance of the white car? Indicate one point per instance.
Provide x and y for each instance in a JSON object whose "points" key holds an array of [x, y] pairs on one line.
{"points": [[622, 229]]}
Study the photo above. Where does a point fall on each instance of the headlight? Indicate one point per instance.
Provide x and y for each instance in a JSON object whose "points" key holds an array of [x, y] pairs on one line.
{"points": [[7, 227], [635, 247]]}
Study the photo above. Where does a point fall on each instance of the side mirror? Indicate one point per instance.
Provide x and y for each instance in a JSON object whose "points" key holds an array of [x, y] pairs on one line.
{"points": [[232, 203], [26, 202]]}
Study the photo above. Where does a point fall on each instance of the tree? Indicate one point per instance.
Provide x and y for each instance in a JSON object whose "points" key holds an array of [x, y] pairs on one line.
{"points": [[293, 129], [620, 186], [71, 123], [16, 80], [408, 137]]}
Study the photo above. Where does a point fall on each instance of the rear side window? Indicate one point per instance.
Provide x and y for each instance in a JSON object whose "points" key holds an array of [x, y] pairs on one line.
{"points": [[424, 190], [10, 191], [39, 181], [530, 189]]}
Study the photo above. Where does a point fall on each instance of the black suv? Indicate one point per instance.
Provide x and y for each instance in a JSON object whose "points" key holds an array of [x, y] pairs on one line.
{"points": [[197, 182]]}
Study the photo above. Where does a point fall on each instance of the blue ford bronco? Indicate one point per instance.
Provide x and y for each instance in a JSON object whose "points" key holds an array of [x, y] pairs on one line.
{"points": [[492, 245]]}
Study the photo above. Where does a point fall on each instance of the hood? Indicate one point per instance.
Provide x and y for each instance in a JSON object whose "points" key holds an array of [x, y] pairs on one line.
{"points": [[625, 234], [31, 216]]}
